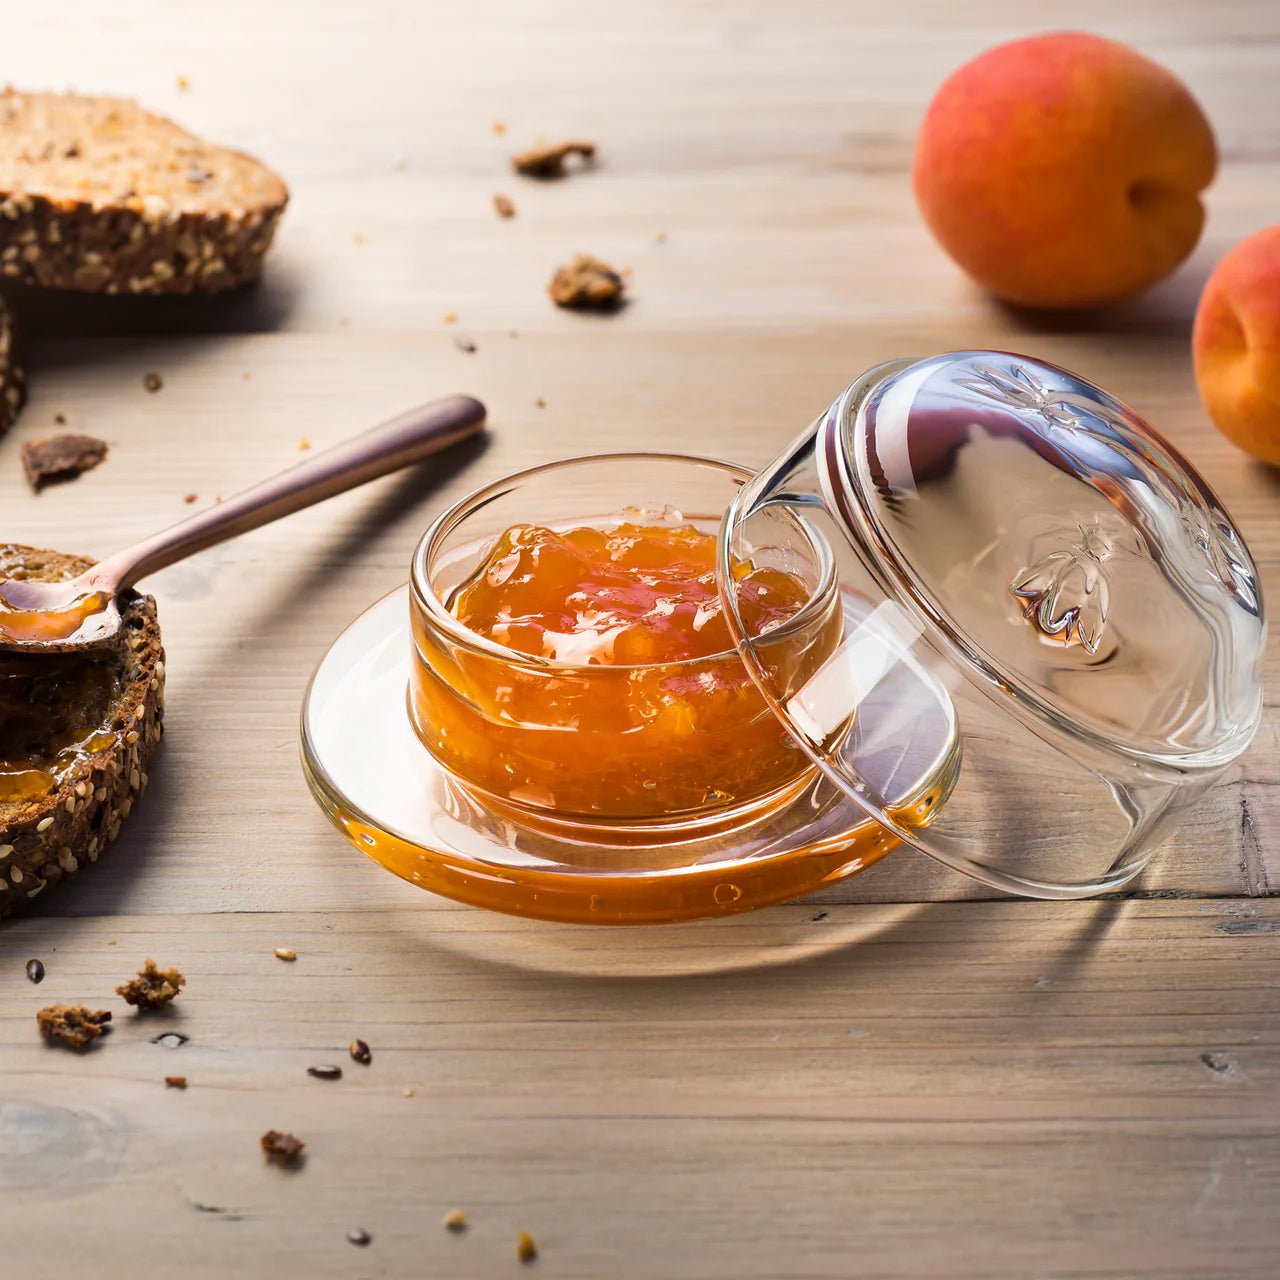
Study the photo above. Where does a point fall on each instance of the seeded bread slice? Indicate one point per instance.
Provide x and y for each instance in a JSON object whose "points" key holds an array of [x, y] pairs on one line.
{"points": [[101, 195], [13, 378], [118, 691]]}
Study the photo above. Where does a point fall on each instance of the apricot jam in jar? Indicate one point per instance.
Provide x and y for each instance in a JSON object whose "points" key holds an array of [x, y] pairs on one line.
{"points": [[581, 668]]}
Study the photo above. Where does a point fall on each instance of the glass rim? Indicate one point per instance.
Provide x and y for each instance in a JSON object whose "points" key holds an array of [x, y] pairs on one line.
{"points": [[424, 595]]}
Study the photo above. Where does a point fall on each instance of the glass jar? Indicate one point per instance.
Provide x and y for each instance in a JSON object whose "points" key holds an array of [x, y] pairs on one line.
{"points": [[667, 746]]}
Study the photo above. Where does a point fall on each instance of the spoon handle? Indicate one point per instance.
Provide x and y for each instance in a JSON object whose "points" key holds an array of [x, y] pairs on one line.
{"points": [[403, 440]]}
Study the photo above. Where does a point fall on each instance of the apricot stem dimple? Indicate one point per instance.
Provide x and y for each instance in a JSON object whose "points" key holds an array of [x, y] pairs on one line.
{"points": [[1142, 193]]}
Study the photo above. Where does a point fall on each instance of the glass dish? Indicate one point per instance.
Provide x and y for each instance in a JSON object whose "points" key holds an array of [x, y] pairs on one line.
{"points": [[1031, 637]]}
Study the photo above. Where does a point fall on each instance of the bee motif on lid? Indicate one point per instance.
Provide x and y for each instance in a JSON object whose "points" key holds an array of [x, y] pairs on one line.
{"points": [[1065, 593]]}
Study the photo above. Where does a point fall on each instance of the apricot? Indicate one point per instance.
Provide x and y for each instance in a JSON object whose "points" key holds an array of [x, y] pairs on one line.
{"points": [[1064, 170], [1236, 345]]}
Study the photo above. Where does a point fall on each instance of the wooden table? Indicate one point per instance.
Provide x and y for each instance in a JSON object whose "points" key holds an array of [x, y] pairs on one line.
{"points": [[903, 1079]]}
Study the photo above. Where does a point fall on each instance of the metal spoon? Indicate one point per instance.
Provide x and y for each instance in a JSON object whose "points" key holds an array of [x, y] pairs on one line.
{"points": [[54, 617]]}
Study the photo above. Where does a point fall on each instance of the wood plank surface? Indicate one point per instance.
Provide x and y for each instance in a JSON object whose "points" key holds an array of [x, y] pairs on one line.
{"points": [[899, 1078]]}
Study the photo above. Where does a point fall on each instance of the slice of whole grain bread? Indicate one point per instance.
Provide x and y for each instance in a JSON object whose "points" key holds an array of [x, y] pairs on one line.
{"points": [[107, 703], [101, 195]]}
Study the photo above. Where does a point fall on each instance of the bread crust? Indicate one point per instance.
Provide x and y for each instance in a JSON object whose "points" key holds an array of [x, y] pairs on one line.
{"points": [[99, 195], [13, 378], [45, 841]]}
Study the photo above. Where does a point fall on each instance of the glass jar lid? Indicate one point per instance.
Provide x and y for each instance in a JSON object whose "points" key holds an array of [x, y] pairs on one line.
{"points": [[1032, 580]]}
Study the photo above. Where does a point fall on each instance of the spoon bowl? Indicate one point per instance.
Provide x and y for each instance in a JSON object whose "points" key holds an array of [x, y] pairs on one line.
{"points": [[55, 617]]}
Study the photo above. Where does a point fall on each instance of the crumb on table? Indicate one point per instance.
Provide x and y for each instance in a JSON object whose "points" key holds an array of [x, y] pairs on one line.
{"points": [[549, 161], [72, 1024], [587, 283], [504, 206], [61, 458], [153, 988], [283, 1148]]}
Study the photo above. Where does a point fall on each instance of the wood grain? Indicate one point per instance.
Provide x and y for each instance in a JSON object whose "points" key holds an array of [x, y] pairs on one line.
{"points": [[899, 1079], [944, 1090]]}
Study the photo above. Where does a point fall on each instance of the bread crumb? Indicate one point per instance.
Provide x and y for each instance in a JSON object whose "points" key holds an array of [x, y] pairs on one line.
{"points": [[548, 162], [359, 239], [286, 953], [189, 498], [587, 284], [455, 1220], [360, 1052], [449, 317], [175, 1082], [399, 164], [153, 382], [111, 942], [504, 206], [463, 343], [661, 237], [283, 1148], [408, 1093], [304, 443], [72, 1024], [60, 419], [246, 376], [526, 1250], [540, 402], [499, 128], [153, 988], [359, 1236], [60, 458], [183, 83]]}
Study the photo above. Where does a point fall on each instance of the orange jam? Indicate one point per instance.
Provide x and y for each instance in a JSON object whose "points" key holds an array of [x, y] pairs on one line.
{"points": [[20, 626], [54, 712], [620, 694]]}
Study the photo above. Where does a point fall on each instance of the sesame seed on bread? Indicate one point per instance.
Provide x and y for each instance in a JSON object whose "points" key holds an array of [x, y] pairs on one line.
{"points": [[100, 195], [109, 701]]}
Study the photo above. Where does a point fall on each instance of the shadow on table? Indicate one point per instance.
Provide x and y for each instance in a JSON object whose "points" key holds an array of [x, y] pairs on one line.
{"points": [[802, 937], [255, 308]]}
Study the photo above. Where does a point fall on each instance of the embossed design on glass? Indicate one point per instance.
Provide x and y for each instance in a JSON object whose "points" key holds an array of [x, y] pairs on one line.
{"points": [[1221, 547], [1018, 389], [1070, 412], [1065, 593]]}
